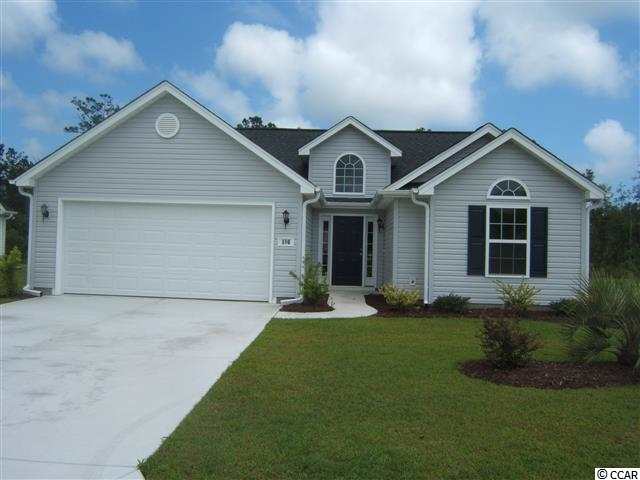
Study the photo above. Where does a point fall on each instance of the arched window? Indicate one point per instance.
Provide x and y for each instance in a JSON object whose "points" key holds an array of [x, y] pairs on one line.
{"points": [[349, 174], [508, 188]]}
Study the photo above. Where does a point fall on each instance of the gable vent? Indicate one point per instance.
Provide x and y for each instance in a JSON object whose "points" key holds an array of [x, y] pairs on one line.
{"points": [[167, 125]]}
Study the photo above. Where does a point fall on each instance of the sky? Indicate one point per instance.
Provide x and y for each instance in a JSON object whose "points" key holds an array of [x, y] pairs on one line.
{"points": [[564, 73]]}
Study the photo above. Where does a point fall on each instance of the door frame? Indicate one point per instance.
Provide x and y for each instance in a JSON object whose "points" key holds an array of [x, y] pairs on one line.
{"points": [[366, 218], [58, 287]]}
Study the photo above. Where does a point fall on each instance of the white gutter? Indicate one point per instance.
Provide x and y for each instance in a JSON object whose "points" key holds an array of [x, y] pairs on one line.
{"points": [[28, 288], [427, 212], [303, 241]]}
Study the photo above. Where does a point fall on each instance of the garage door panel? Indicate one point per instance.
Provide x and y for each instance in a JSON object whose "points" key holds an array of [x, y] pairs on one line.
{"points": [[196, 251]]}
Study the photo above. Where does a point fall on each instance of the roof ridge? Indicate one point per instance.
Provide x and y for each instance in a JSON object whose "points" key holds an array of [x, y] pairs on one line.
{"points": [[295, 129]]}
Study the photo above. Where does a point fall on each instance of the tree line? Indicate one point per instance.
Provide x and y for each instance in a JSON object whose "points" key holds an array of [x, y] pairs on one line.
{"points": [[615, 225]]}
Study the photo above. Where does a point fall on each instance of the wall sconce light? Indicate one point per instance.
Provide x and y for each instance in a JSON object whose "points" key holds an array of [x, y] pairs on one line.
{"points": [[285, 218], [45, 211], [380, 224]]}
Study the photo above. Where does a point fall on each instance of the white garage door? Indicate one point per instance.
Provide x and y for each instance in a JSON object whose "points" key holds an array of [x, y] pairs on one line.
{"points": [[158, 250]]}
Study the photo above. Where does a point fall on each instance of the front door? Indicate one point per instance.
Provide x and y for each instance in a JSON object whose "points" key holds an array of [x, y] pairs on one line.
{"points": [[347, 251]]}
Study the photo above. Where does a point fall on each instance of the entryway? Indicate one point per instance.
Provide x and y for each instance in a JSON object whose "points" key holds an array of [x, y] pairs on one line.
{"points": [[347, 251]]}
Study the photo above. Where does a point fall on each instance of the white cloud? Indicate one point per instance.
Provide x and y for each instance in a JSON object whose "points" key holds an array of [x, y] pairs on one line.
{"points": [[395, 77], [541, 44], [93, 53], [42, 112], [24, 23], [615, 148], [34, 149], [208, 87]]}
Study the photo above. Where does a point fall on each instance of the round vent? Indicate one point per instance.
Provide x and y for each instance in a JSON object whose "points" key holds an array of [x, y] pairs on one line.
{"points": [[167, 125]]}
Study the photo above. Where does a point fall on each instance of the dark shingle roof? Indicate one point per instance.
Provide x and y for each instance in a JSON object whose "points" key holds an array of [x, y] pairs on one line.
{"points": [[417, 147]]}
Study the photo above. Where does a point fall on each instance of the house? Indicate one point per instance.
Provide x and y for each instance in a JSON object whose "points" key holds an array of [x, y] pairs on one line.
{"points": [[166, 199], [4, 216]]}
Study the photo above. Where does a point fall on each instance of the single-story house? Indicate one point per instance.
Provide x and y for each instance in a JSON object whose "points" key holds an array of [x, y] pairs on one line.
{"points": [[166, 199], [4, 216]]}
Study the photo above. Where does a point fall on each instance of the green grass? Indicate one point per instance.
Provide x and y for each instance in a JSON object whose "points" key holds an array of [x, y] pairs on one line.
{"points": [[382, 398]]}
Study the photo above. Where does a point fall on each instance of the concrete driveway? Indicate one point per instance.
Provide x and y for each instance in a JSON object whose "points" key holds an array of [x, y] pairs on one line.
{"points": [[91, 384]]}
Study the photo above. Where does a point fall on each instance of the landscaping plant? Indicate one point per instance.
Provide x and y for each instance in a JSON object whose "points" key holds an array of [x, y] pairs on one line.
{"points": [[10, 266], [606, 318], [451, 303], [519, 299], [505, 343], [313, 287], [563, 307], [399, 298]]}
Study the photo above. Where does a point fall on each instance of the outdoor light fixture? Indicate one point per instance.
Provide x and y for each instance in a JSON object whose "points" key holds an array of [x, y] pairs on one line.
{"points": [[285, 218], [45, 211], [380, 224]]}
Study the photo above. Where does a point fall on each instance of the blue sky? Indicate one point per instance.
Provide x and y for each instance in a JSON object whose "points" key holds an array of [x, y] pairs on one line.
{"points": [[565, 74]]}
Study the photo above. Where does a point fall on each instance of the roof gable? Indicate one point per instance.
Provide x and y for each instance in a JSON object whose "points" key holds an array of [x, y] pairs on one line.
{"points": [[135, 106], [593, 191], [355, 123]]}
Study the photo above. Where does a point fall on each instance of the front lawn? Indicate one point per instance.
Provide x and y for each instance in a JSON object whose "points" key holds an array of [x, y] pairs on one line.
{"points": [[382, 398]]}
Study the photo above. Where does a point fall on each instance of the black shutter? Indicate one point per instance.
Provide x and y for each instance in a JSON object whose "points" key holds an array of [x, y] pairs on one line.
{"points": [[539, 240], [476, 239]]}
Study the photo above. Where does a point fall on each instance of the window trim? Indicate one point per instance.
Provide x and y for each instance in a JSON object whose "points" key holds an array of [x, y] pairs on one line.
{"points": [[364, 175], [488, 241], [501, 197]]}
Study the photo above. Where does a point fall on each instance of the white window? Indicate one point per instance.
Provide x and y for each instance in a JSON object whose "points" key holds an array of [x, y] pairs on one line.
{"points": [[508, 188], [325, 247], [349, 174], [507, 245]]}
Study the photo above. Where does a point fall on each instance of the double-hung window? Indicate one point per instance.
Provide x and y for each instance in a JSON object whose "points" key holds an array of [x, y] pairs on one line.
{"points": [[349, 174], [507, 240]]}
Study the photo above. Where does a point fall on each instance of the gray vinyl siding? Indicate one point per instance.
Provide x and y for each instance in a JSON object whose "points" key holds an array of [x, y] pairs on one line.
{"points": [[200, 163], [410, 245], [311, 233], [469, 187], [389, 225], [376, 159]]}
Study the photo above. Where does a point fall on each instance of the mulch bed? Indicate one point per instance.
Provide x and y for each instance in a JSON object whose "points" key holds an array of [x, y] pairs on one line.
{"points": [[323, 306], [378, 302], [554, 375]]}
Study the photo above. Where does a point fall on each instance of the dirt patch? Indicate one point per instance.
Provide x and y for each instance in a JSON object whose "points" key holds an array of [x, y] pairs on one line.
{"points": [[22, 296], [378, 302], [323, 306], [554, 375]]}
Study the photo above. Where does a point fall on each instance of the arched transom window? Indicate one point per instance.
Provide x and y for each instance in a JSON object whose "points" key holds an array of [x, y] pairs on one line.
{"points": [[349, 176], [508, 187]]}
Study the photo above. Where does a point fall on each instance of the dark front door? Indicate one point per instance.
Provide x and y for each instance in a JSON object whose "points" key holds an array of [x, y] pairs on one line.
{"points": [[346, 267]]}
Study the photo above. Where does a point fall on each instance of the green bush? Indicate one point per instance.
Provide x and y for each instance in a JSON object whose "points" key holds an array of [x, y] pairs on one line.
{"points": [[451, 303], [519, 299], [313, 287], [563, 307], [399, 298], [606, 318], [10, 279], [505, 344]]}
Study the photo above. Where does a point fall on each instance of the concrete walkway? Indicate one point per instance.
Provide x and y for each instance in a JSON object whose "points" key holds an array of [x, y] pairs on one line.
{"points": [[346, 304]]}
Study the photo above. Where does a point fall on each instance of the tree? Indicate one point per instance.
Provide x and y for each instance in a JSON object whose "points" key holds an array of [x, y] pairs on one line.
{"points": [[255, 122], [13, 164], [91, 112], [421, 129]]}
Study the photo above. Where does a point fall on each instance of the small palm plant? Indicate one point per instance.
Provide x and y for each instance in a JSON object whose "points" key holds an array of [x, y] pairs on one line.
{"points": [[606, 318]]}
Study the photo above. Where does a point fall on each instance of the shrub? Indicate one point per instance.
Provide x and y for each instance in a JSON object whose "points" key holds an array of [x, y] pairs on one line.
{"points": [[451, 303], [518, 298], [606, 318], [505, 344], [10, 266], [563, 307], [313, 287], [399, 298]]}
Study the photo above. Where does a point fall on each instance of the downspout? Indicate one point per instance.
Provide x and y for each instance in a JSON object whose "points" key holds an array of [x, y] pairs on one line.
{"points": [[586, 257], [28, 289], [303, 241], [425, 288]]}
